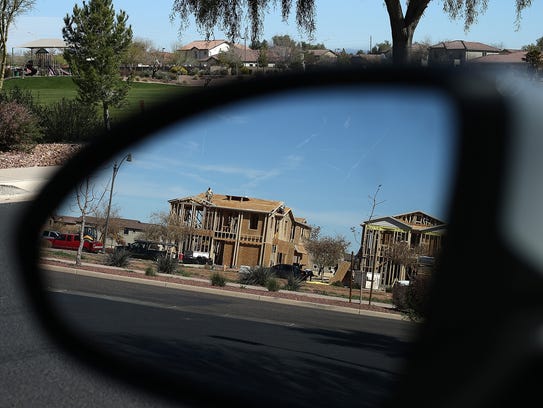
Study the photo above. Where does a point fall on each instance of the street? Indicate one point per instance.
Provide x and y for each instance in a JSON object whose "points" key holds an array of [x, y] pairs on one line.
{"points": [[324, 357], [33, 371], [245, 345]]}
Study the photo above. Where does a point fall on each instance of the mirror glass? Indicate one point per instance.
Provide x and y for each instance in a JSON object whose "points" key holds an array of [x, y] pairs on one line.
{"points": [[193, 218]]}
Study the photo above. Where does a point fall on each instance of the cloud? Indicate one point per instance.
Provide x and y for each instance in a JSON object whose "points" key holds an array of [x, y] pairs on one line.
{"points": [[234, 119], [306, 141]]}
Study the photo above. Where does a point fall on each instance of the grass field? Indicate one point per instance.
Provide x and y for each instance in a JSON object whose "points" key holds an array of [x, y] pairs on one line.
{"points": [[48, 90]]}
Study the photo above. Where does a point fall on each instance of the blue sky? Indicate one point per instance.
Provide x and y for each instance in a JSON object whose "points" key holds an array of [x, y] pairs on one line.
{"points": [[323, 156], [340, 24]]}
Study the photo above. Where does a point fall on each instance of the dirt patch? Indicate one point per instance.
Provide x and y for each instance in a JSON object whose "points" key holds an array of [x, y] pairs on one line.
{"points": [[40, 155]]}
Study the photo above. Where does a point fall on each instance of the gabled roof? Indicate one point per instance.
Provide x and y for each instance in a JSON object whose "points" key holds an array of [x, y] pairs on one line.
{"points": [[202, 45], [237, 203], [246, 54], [122, 222], [505, 57], [465, 45], [320, 53], [45, 43], [415, 220]]}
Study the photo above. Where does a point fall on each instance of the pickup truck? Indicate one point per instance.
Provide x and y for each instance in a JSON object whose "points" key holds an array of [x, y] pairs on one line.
{"points": [[71, 241]]}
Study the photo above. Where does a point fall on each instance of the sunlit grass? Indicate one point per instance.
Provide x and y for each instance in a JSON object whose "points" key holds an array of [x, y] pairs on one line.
{"points": [[48, 90]]}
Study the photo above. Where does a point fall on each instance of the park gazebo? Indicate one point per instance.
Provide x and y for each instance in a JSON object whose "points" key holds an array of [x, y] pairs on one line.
{"points": [[41, 61]]}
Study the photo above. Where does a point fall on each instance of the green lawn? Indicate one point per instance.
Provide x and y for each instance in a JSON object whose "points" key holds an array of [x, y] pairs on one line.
{"points": [[51, 89]]}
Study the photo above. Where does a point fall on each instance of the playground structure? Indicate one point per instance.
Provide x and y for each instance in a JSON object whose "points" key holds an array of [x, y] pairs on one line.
{"points": [[42, 61]]}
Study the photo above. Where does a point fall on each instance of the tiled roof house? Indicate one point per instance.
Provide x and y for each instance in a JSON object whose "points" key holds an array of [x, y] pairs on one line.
{"points": [[458, 52]]}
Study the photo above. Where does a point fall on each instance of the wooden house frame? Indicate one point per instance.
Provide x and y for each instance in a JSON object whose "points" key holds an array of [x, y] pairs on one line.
{"points": [[238, 230], [420, 232]]}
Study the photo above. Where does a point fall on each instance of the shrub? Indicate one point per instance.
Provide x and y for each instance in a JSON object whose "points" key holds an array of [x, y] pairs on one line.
{"points": [[69, 121], [168, 265], [293, 283], [412, 299], [119, 258], [149, 271], [256, 276], [217, 279], [183, 272], [19, 127], [22, 97], [179, 70], [399, 296], [272, 285]]}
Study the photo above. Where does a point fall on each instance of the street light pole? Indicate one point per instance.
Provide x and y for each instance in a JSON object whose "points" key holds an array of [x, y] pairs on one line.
{"points": [[116, 167]]}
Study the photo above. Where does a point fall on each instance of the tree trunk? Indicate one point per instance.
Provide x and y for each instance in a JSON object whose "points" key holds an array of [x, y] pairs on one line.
{"points": [[107, 123], [403, 28], [402, 40], [81, 242], [3, 59]]}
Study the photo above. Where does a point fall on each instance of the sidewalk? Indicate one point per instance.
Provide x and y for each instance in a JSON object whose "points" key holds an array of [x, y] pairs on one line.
{"points": [[23, 183]]}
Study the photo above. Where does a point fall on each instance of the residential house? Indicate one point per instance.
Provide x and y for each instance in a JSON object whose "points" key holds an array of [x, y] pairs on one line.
{"points": [[206, 53], [416, 234], [201, 50], [127, 230], [238, 230], [506, 59], [247, 56], [320, 57], [458, 52]]}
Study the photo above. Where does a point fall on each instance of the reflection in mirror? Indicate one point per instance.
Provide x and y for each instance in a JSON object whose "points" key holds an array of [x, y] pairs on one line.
{"points": [[315, 185]]}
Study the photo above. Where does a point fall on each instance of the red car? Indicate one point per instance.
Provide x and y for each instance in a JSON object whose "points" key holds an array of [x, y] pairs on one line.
{"points": [[71, 241]]}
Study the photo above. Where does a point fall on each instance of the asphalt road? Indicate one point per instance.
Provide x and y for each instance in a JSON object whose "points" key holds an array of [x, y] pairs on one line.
{"points": [[33, 371], [325, 358]]}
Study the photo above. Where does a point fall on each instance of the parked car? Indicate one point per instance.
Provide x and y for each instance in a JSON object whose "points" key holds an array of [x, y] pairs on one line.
{"points": [[196, 257], [143, 249], [48, 237], [71, 241], [286, 270]]}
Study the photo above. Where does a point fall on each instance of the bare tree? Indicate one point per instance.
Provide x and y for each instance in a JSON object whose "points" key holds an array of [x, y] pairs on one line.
{"points": [[166, 227], [325, 250], [87, 201], [374, 204], [401, 253], [9, 11], [114, 224]]}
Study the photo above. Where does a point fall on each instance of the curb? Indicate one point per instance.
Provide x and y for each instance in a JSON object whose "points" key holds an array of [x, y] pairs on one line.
{"points": [[221, 292]]}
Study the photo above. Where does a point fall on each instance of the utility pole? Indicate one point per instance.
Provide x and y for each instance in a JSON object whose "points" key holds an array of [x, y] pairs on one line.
{"points": [[116, 167]]}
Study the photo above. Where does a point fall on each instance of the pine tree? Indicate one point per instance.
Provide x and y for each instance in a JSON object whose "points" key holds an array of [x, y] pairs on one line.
{"points": [[97, 41]]}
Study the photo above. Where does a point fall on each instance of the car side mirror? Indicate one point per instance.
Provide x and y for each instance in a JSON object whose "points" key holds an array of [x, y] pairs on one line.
{"points": [[441, 138]]}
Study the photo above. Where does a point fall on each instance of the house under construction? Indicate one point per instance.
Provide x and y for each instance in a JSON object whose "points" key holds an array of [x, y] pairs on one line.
{"points": [[238, 230], [394, 247]]}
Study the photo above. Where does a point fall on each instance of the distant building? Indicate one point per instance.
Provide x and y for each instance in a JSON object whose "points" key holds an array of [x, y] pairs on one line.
{"points": [[126, 230], [505, 59], [320, 57], [458, 52], [202, 50], [237, 230], [420, 233]]}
